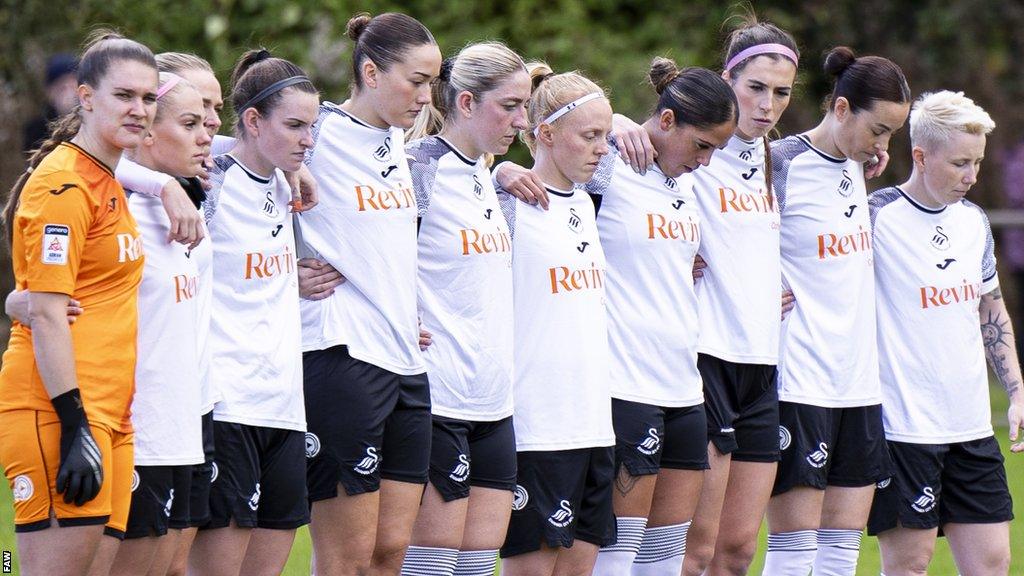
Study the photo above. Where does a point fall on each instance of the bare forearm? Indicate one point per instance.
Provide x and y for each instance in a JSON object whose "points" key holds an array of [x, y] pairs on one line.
{"points": [[1000, 344], [54, 352]]}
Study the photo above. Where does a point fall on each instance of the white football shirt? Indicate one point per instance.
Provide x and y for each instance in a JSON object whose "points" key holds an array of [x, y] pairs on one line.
{"points": [[828, 352], [931, 269], [740, 293], [465, 283], [256, 359], [365, 227]]}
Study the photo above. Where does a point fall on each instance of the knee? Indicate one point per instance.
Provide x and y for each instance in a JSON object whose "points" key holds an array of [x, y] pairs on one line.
{"points": [[388, 556], [735, 557], [698, 557]]}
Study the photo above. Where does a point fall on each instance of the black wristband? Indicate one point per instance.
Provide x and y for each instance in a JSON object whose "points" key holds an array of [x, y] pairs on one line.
{"points": [[69, 408]]}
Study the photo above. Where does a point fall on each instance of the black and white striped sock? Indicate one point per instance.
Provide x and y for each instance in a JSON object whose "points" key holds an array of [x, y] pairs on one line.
{"points": [[476, 563], [427, 561]]}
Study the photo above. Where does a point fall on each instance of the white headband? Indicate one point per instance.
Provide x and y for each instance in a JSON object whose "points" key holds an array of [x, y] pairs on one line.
{"points": [[566, 109]]}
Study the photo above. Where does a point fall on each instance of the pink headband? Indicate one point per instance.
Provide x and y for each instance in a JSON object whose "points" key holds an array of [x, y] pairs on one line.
{"points": [[168, 86], [759, 49]]}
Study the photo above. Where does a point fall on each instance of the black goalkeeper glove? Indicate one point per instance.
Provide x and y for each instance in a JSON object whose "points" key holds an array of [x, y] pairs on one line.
{"points": [[81, 464]]}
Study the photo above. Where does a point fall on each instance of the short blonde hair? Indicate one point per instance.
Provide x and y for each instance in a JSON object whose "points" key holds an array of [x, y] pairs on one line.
{"points": [[936, 116], [550, 92]]}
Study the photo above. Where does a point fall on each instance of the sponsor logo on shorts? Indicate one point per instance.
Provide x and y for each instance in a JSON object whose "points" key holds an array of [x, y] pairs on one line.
{"points": [[785, 438], [925, 502], [651, 444], [312, 445], [728, 430], [254, 500], [23, 489], [170, 502], [520, 497], [461, 471], [563, 516], [884, 484], [819, 457], [214, 472], [135, 480], [368, 465]]}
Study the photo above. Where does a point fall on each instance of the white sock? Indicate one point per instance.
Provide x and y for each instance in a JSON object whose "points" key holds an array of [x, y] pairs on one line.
{"points": [[662, 551], [426, 561], [790, 553], [476, 563], [838, 551], [616, 559]]}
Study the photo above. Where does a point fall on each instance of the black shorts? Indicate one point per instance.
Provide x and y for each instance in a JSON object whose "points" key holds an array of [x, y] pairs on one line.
{"points": [[159, 500], [365, 423], [202, 477], [824, 447], [649, 438], [259, 478], [464, 454], [934, 484], [742, 405], [562, 496]]}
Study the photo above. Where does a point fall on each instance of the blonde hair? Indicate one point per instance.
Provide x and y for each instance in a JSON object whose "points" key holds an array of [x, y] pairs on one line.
{"points": [[550, 92], [179, 62], [477, 69], [165, 99], [936, 116]]}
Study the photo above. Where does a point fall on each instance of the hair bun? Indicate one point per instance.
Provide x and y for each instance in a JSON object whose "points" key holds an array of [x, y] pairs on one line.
{"points": [[357, 25], [663, 72], [838, 60], [446, 69], [539, 72]]}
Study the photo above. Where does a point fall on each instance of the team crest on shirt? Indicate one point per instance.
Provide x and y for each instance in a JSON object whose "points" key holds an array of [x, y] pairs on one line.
{"points": [[575, 223], [563, 516], [22, 488], [269, 206], [845, 185], [135, 480], [56, 239], [520, 497], [818, 457], [651, 443], [925, 502], [670, 183], [747, 154], [461, 471], [312, 445], [478, 188], [785, 438], [383, 152], [940, 240]]}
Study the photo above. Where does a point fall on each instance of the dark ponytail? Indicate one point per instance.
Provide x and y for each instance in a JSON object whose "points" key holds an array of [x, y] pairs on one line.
{"points": [[383, 39], [864, 80], [697, 96], [256, 71]]}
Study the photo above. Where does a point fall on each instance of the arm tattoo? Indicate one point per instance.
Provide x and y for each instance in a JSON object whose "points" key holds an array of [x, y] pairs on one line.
{"points": [[995, 331], [624, 481]]}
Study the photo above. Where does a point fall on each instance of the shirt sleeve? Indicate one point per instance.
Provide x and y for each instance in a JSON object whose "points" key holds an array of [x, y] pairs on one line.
{"points": [[507, 203], [140, 179], [54, 219], [222, 145], [602, 178]]}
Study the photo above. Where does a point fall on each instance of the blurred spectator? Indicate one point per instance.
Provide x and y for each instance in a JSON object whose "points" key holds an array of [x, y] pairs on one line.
{"points": [[1012, 238], [61, 82]]}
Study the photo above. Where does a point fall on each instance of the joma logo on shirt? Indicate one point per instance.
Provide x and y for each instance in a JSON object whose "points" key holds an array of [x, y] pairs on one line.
{"points": [[659, 226], [371, 199], [260, 265], [565, 279], [129, 248], [836, 245], [476, 242], [745, 202], [933, 296], [185, 287]]}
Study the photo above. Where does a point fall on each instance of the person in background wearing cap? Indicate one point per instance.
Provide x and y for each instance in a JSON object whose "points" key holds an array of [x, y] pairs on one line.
{"points": [[60, 99]]}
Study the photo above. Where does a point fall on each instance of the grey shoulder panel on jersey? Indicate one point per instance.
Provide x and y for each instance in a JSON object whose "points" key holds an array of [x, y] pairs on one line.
{"points": [[881, 198], [602, 178], [220, 168], [988, 259], [783, 152], [424, 155], [507, 203]]}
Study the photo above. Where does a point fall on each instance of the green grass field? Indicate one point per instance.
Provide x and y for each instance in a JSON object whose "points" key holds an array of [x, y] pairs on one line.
{"points": [[942, 565]]}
